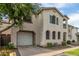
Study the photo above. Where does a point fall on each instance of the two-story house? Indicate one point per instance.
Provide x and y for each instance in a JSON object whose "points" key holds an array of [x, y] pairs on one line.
{"points": [[49, 26]]}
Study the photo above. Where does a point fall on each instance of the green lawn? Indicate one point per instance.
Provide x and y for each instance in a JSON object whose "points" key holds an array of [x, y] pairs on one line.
{"points": [[74, 52]]}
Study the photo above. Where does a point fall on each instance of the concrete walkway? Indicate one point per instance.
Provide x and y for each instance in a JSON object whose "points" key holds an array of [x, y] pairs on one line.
{"points": [[37, 51]]}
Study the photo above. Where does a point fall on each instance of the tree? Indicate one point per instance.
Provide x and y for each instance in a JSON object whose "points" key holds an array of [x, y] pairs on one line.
{"points": [[17, 12]]}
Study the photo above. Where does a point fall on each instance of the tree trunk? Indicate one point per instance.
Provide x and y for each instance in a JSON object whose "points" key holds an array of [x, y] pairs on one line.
{"points": [[8, 27]]}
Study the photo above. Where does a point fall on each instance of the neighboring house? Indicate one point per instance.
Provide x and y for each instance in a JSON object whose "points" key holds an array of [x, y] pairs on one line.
{"points": [[49, 26], [5, 36], [4, 25], [72, 33], [77, 36]]}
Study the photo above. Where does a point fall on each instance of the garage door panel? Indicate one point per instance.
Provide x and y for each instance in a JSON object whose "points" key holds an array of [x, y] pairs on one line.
{"points": [[25, 38]]}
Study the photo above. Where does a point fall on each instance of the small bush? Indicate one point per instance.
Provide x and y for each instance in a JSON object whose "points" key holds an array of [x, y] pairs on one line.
{"points": [[68, 42], [49, 45], [10, 46], [64, 43], [73, 41]]}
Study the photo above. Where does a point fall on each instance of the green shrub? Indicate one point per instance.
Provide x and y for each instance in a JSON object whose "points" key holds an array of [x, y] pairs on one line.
{"points": [[73, 41], [68, 42], [10, 46], [64, 43], [49, 45]]}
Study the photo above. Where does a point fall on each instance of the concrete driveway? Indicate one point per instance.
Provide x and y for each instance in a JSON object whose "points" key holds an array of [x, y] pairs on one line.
{"points": [[30, 51], [37, 51]]}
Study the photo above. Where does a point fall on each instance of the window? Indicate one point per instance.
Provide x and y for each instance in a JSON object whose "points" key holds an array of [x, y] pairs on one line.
{"points": [[47, 34], [64, 36], [57, 21], [52, 19], [64, 26], [53, 34], [59, 35], [64, 23]]}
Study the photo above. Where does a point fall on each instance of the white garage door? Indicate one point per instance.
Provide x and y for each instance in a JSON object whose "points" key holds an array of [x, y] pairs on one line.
{"points": [[24, 38]]}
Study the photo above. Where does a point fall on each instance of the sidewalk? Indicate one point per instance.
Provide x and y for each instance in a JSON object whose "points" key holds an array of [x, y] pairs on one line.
{"points": [[53, 53]]}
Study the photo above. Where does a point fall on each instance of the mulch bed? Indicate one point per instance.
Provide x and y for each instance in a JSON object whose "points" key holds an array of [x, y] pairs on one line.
{"points": [[2, 49], [57, 47]]}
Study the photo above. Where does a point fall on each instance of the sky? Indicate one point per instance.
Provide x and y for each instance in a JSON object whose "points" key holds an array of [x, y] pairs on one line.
{"points": [[69, 9]]}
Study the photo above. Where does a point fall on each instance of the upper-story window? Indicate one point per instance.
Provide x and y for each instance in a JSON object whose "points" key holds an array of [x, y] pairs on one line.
{"points": [[64, 24], [52, 19], [47, 34]]}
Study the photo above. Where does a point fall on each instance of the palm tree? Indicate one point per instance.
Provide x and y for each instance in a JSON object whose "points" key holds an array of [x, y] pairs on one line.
{"points": [[17, 13]]}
